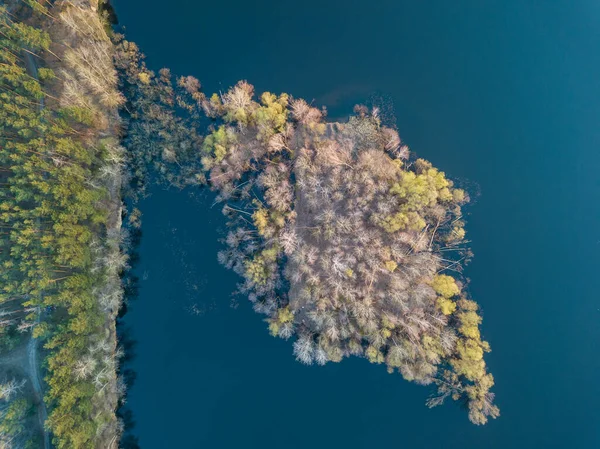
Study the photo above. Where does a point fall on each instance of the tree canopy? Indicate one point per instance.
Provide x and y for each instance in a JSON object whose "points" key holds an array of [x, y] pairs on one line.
{"points": [[59, 207], [354, 246]]}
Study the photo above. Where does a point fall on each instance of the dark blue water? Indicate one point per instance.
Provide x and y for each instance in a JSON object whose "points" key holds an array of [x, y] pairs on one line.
{"points": [[502, 94]]}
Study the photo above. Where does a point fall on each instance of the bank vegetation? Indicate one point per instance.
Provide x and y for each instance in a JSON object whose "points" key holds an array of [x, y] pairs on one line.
{"points": [[60, 165]]}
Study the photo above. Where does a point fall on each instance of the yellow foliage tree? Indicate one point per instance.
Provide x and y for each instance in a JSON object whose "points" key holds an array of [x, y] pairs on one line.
{"points": [[445, 285], [446, 306]]}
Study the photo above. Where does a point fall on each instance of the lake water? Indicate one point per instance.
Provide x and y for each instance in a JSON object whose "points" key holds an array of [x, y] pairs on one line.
{"points": [[502, 95]]}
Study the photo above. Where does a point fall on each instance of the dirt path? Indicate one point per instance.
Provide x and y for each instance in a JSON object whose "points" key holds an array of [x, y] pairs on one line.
{"points": [[27, 358], [33, 368], [32, 363]]}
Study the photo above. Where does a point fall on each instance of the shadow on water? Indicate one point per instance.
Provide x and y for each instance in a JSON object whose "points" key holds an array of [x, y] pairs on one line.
{"points": [[189, 276], [130, 283], [106, 8], [125, 338]]}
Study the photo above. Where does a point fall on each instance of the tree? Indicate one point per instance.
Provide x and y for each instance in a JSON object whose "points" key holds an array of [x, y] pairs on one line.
{"points": [[362, 234]]}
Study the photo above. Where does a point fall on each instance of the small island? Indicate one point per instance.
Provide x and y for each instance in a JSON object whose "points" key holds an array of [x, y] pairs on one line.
{"points": [[347, 242]]}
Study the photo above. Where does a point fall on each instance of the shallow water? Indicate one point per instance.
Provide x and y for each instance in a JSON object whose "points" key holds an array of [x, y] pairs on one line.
{"points": [[503, 96]]}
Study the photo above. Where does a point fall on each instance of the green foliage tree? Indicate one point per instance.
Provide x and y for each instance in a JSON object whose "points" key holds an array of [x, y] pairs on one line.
{"points": [[54, 205]]}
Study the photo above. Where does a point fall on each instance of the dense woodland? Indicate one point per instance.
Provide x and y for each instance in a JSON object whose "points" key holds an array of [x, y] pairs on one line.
{"points": [[59, 206], [17, 416]]}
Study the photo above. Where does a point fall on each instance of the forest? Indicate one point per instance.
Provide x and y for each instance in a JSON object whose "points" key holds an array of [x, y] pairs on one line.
{"points": [[60, 206], [344, 241]]}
